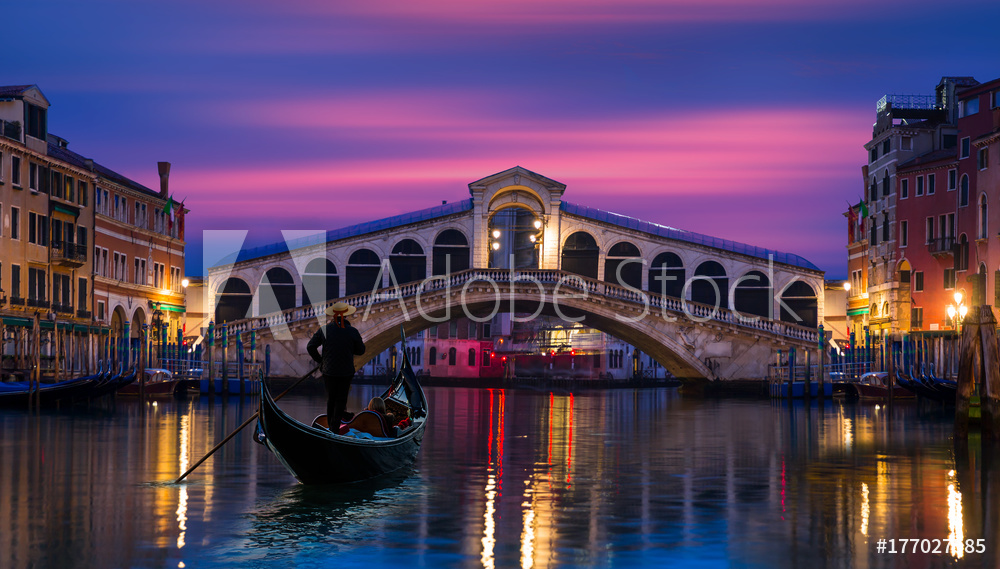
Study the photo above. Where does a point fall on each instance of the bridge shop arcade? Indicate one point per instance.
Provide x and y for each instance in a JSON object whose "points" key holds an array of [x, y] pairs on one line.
{"points": [[698, 305]]}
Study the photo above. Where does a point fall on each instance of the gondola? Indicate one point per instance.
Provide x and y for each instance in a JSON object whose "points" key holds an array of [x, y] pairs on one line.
{"points": [[315, 455], [17, 393]]}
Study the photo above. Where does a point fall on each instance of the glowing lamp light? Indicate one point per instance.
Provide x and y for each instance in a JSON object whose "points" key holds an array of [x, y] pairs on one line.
{"points": [[495, 245], [532, 238], [962, 311], [951, 312], [958, 297], [185, 283], [538, 224], [847, 286], [496, 234]]}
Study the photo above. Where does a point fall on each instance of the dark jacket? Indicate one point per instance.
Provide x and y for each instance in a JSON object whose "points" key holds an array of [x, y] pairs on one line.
{"points": [[340, 345]]}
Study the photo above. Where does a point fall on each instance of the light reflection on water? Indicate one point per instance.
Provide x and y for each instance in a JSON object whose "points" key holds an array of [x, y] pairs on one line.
{"points": [[505, 478]]}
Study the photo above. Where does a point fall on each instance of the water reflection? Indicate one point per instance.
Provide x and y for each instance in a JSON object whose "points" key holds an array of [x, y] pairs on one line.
{"points": [[505, 478]]}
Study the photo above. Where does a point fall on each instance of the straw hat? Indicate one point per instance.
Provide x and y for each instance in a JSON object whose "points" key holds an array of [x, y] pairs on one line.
{"points": [[340, 309]]}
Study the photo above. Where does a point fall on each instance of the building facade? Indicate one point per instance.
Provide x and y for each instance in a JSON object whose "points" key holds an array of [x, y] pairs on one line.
{"points": [[45, 238], [82, 246], [941, 252]]}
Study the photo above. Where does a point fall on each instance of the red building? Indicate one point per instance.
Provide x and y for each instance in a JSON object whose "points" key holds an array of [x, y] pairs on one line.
{"points": [[944, 222]]}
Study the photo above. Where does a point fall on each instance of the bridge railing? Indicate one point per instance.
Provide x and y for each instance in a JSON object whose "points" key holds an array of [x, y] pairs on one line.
{"points": [[564, 281]]}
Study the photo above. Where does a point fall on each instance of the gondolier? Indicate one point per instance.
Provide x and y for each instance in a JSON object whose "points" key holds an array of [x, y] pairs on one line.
{"points": [[340, 342]]}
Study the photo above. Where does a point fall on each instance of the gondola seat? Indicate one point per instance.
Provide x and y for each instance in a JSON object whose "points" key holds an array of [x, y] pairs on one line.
{"points": [[367, 422]]}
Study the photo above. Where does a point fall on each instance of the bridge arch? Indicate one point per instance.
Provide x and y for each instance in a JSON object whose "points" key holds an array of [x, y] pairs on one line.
{"points": [[666, 275], [650, 336], [320, 281], [620, 255], [753, 294], [710, 284], [233, 299], [516, 196], [408, 261], [581, 254], [799, 304], [451, 252], [362, 272], [276, 291]]}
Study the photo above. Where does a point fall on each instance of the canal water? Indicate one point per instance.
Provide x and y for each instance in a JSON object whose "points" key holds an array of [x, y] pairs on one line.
{"points": [[506, 478]]}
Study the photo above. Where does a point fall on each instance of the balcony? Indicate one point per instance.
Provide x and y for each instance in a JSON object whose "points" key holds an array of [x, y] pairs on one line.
{"points": [[68, 254], [941, 247], [64, 308], [16, 301], [38, 303], [85, 314]]}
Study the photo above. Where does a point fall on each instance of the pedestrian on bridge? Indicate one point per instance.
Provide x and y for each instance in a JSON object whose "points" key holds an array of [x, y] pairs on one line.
{"points": [[340, 342]]}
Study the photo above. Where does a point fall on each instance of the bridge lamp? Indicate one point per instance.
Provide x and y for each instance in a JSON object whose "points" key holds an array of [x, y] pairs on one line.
{"points": [[495, 245], [538, 224], [496, 234]]}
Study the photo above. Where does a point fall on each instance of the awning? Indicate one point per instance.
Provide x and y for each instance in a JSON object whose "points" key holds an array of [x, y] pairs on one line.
{"points": [[15, 321], [856, 311]]}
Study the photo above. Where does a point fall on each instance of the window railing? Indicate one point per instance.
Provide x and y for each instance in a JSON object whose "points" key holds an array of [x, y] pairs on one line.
{"points": [[941, 245], [69, 251], [83, 314], [16, 301], [67, 308], [38, 303]]}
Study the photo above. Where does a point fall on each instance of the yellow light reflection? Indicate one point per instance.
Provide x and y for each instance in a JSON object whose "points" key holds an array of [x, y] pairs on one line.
{"points": [[865, 509], [490, 525], [528, 537], [848, 433], [183, 499], [956, 533]]}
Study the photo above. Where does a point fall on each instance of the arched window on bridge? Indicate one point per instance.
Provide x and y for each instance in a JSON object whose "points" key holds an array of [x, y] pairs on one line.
{"points": [[631, 272], [362, 272], [666, 275], [320, 282], [232, 301], [799, 306], [432, 356], [472, 356], [753, 295], [580, 254], [276, 292], [702, 289], [514, 237], [452, 356], [408, 262], [451, 252]]}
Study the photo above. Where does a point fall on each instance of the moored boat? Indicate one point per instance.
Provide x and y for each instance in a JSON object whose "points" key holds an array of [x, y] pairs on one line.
{"points": [[160, 382], [315, 455], [875, 385]]}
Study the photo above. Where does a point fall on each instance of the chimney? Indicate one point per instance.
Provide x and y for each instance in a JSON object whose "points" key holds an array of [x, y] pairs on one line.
{"points": [[164, 169], [89, 163]]}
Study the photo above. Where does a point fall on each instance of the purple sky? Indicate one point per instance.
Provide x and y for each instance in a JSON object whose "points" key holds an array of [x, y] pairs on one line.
{"points": [[743, 120]]}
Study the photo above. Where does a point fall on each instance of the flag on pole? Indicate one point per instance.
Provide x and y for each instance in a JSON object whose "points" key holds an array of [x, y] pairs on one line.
{"points": [[852, 216], [862, 211], [168, 209]]}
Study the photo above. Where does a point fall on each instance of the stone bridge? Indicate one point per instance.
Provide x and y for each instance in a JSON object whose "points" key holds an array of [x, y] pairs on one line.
{"points": [[691, 339]]}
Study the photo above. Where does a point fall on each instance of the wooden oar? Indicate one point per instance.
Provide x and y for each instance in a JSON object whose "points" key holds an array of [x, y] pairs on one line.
{"points": [[241, 427]]}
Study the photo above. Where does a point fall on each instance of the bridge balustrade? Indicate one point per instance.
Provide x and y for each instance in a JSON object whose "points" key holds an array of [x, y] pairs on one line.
{"points": [[564, 280]]}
